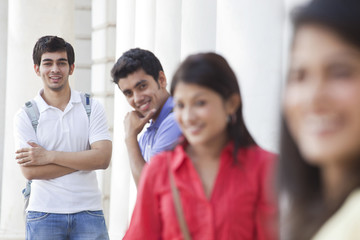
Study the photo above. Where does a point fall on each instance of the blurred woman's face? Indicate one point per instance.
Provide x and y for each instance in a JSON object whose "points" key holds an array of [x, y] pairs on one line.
{"points": [[322, 98], [201, 113]]}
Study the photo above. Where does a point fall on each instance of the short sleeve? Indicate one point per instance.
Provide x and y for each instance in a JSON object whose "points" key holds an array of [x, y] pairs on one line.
{"points": [[98, 123], [23, 130]]}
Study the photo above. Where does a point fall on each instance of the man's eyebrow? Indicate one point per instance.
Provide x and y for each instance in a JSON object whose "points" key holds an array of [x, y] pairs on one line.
{"points": [[50, 60], [125, 91], [140, 82], [47, 60]]}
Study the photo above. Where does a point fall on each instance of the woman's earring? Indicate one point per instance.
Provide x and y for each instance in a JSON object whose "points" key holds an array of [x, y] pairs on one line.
{"points": [[231, 119]]}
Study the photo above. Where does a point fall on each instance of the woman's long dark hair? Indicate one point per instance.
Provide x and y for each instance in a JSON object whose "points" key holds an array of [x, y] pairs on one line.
{"points": [[212, 71], [298, 180]]}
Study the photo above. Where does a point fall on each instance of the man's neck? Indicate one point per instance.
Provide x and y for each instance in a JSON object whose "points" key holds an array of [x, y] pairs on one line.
{"points": [[157, 114], [58, 99]]}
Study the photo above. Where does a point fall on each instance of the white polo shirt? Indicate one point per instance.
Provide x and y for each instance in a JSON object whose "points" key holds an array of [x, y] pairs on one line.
{"points": [[68, 131]]}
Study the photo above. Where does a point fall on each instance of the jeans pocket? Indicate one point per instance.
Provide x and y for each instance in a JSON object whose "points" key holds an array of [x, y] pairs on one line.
{"points": [[36, 216], [96, 213]]}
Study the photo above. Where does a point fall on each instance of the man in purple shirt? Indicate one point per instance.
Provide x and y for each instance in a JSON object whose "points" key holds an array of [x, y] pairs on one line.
{"points": [[140, 76]]}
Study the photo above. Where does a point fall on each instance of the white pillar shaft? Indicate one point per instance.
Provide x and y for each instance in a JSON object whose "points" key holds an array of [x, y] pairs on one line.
{"points": [[103, 56], [168, 35], [145, 24], [125, 22], [250, 36], [198, 31], [82, 46], [28, 20], [121, 177], [3, 64]]}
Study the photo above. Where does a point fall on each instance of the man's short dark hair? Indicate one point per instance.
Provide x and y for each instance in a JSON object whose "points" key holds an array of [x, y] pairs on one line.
{"points": [[134, 60], [52, 44]]}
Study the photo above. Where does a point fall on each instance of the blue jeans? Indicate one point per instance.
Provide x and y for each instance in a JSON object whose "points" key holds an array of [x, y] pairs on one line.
{"points": [[87, 225]]}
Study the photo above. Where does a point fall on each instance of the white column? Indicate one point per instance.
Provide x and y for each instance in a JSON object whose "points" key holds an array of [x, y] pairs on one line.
{"points": [[28, 20], [145, 24], [198, 28], [82, 45], [250, 37], [168, 35], [3, 61], [121, 178], [103, 57]]}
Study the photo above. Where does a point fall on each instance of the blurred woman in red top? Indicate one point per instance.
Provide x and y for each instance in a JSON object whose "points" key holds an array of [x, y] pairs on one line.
{"points": [[221, 174]]}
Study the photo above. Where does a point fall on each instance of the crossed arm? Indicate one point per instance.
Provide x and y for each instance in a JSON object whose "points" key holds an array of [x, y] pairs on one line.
{"points": [[38, 163]]}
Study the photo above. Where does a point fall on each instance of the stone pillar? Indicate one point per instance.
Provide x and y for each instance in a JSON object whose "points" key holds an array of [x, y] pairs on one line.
{"points": [[3, 61], [168, 35], [198, 28], [145, 24], [250, 37], [144, 38], [82, 45], [28, 20], [103, 57], [121, 179]]}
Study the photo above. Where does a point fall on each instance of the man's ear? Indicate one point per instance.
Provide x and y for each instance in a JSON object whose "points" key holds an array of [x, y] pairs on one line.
{"points": [[233, 103], [37, 69], [72, 67], [162, 80]]}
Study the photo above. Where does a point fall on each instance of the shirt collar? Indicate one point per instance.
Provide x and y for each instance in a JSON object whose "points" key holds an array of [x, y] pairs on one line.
{"points": [[165, 111], [43, 106], [75, 96], [180, 154], [40, 102]]}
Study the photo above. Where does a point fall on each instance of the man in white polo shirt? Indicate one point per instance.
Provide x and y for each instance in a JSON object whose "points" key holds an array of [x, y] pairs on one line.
{"points": [[61, 155]]}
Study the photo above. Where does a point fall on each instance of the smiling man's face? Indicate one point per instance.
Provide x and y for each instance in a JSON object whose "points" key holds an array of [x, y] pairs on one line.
{"points": [[143, 93]]}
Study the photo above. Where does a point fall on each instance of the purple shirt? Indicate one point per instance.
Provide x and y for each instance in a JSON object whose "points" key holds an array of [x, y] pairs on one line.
{"points": [[162, 134]]}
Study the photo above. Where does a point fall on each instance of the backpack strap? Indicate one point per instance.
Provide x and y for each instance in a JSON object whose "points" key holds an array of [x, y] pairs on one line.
{"points": [[85, 99], [33, 113]]}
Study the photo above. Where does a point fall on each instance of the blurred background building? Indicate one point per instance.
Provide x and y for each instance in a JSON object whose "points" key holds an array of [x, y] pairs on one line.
{"points": [[252, 35]]}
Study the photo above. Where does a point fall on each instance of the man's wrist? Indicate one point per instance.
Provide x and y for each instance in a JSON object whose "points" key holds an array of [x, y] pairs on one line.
{"points": [[52, 157], [130, 138]]}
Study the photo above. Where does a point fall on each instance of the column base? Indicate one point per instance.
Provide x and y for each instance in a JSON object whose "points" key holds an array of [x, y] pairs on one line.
{"points": [[4, 236]]}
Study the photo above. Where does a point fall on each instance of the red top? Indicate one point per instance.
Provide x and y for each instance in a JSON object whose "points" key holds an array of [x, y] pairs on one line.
{"points": [[239, 207]]}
